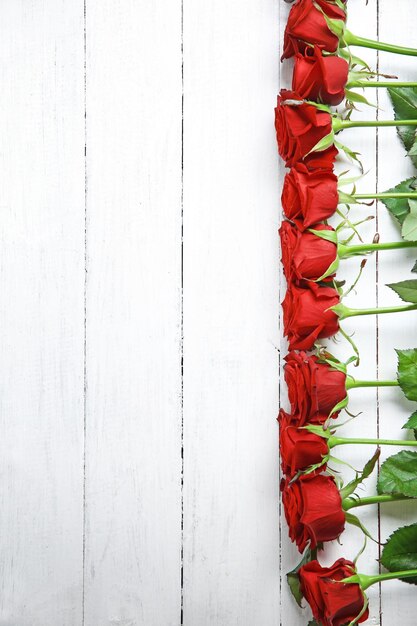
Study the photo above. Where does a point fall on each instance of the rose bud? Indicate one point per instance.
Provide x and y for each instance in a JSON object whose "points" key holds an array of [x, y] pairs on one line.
{"points": [[307, 25], [309, 197], [308, 316], [313, 509], [305, 256], [314, 388], [299, 448], [299, 127], [333, 603], [320, 78]]}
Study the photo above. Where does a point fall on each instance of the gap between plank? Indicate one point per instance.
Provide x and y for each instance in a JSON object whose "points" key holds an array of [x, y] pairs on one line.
{"points": [[182, 316], [85, 316]]}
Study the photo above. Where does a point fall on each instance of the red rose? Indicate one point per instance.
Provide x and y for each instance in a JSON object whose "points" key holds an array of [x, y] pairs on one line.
{"points": [[323, 160], [314, 388], [318, 77], [299, 449], [299, 127], [333, 603], [307, 25], [305, 256], [313, 509], [309, 197], [307, 316]]}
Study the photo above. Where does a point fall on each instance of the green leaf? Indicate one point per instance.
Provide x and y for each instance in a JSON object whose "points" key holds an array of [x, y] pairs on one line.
{"points": [[412, 421], [333, 267], [328, 235], [355, 521], [366, 472], [407, 372], [349, 153], [400, 552], [398, 475], [406, 289], [399, 207], [345, 198], [324, 143], [404, 100], [352, 96], [320, 106], [293, 578], [313, 623], [336, 26], [413, 151], [353, 60], [409, 229]]}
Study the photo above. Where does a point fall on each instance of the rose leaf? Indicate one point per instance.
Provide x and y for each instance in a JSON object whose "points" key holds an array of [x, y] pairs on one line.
{"points": [[404, 100], [398, 475], [412, 421], [293, 579], [406, 289], [399, 207], [407, 372], [400, 552], [409, 229]]}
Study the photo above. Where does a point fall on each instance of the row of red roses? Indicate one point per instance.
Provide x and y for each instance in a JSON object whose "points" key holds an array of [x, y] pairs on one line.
{"points": [[315, 508]]}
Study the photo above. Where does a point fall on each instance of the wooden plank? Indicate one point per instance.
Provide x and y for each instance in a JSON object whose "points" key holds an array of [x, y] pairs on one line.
{"points": [[364, 330], [41, 312], [133, 462], [230, 314], [395, 331]]}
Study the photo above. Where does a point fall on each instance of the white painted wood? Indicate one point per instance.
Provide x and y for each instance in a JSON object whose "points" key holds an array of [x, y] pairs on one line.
{"points": [[360, 18], [398, 599], [131, 533], [230, 314], [133, 435], [41, 312]]}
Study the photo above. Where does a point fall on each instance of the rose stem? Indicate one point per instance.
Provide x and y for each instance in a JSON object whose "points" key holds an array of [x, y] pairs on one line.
{"points": [[343, 311], [377, 83], [355, 384], [341, 441], [339, 124], [366, 581], [347, 251], [353, 40], [383, 196], [351, 503]]}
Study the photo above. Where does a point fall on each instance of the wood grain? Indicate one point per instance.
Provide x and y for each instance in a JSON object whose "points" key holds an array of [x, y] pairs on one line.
{"points": [[133, 364], [41, 312], [230, 314], [140, 339]]}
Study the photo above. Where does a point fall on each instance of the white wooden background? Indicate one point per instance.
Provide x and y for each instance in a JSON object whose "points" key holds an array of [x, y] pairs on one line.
{"points": [[139, 342]]}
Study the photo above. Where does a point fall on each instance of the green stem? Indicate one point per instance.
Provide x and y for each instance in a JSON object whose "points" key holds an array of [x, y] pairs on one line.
{"points": [[345, 251], [355, 384], [343, 311], [378, 83], [351, 503], [341, 441], [383, 196], [366, 581], [339, 124], [353, 40]]}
